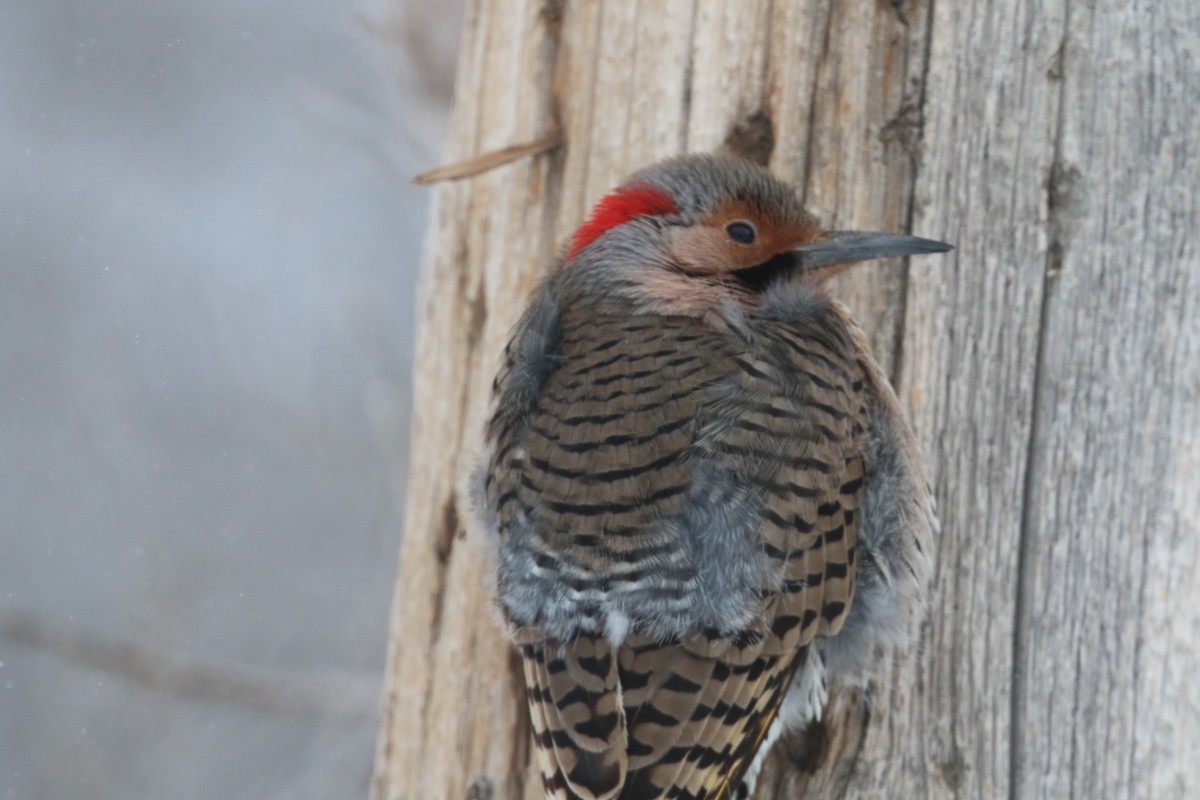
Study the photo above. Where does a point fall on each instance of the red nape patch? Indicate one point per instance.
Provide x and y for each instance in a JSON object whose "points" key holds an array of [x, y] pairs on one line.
{"points": [[617, 208]]}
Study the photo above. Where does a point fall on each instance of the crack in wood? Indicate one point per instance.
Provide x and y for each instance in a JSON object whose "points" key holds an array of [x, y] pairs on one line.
{"points": [[689, 75], [910, 215], [551, 16], [448, 531], [522, 753], [443, 545], [477, 314], [810, 136], [897, 7], [1058, 187]]}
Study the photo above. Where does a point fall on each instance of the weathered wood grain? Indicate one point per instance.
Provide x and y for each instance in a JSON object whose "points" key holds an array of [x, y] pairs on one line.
{"points": [[1106, 697], [453, 706], [969, 362], [1050, 366]]}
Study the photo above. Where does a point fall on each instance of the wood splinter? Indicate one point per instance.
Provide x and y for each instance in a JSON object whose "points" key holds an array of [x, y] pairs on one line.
{"points": [[477, 165]]}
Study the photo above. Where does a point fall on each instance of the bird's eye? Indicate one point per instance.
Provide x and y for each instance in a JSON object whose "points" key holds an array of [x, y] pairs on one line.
{"points": [[741, 232]]}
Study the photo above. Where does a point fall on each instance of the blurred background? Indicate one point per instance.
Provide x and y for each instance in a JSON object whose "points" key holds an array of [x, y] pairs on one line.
{"points": [[209, 250]]}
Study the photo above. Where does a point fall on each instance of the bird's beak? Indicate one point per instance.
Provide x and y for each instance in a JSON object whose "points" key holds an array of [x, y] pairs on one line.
{"points": [[843, 247]]}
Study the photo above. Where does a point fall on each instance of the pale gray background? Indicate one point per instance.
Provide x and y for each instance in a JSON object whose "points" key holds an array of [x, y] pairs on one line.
{"points": [[209, 253]]}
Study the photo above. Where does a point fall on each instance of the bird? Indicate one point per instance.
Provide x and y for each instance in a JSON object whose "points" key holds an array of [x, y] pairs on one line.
{"points": [[706, 503]]}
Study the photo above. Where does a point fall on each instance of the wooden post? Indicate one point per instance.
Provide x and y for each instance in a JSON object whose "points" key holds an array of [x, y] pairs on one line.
{"points": [[1050, 366]]}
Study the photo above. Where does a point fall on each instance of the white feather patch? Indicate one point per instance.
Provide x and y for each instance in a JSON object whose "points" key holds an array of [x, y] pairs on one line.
{"points": [[805, 701], [616, 625]]}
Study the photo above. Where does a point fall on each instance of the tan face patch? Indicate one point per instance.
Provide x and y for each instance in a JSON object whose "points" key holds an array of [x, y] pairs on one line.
{"points": [[708, 248]]}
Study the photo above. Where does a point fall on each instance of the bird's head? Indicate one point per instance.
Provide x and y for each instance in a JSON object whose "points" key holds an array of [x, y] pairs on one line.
{"points": [[699, 230]]}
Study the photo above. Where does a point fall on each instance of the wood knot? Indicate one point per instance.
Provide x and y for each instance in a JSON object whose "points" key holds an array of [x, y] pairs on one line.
{"points": [[753, 138], [951, 770], [481, 789]]}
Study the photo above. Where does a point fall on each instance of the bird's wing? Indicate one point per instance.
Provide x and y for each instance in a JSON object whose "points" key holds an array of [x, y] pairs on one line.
{"points": [[698, 710], [812, 511], [896, 528]]}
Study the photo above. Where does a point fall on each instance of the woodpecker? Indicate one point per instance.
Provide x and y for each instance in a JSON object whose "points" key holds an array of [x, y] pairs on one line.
{"points": [[708, 504]]}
